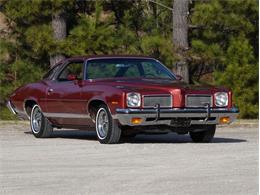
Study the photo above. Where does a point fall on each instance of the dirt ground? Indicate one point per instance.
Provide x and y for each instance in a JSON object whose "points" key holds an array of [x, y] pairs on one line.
{"points": [[73, 162]]}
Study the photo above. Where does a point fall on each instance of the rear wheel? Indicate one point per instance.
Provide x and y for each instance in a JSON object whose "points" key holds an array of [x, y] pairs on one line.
{"points": [[40, 126], [107, 129], [205, 136]]}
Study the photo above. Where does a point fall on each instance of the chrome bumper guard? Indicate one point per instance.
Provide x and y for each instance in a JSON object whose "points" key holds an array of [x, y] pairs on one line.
{"points": [[160, 116]]}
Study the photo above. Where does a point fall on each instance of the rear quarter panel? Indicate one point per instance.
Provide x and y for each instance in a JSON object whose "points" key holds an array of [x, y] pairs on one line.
{"points": [[34, 91]]}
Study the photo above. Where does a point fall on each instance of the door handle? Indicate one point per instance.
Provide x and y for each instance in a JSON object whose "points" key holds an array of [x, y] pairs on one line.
{"points": [[50, 90]]}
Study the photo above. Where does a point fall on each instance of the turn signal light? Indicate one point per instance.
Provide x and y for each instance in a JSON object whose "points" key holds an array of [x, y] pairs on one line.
{"points": [[224, 120], [136, 121]]}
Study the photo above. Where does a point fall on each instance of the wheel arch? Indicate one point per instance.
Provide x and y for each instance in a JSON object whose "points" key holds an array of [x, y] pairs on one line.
{"points": [[92, 106], [28, 105]]}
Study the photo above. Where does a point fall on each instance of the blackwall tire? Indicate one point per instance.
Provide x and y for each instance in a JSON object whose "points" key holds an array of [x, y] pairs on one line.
{"points": [[107, 128], [40, 126], [205, 136]]}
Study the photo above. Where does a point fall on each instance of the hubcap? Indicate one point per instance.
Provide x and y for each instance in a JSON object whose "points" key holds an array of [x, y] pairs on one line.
{"points": [[36, 120], [102, 124]]}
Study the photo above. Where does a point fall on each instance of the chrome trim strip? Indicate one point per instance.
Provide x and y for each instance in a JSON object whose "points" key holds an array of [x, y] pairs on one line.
{"points": [[177, 110], [10, 107], [19, 113], [157, 95], [65, 115]]}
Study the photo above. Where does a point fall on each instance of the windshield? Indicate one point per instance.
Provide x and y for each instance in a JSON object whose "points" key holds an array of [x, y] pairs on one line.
{"points": [[127, 68]]}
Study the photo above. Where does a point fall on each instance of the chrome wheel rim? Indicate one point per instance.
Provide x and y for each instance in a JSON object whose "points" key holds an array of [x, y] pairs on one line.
{"points": [[102, 124], [36, 120]]}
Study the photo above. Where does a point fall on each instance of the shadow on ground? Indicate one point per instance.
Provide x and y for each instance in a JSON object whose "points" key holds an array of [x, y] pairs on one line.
{"points": [[161, 138]]}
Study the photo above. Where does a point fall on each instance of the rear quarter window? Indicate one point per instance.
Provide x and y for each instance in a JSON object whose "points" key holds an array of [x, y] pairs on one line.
{"points": [[50, 74]]}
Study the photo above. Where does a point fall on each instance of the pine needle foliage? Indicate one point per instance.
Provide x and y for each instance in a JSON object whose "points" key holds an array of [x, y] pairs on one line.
{"points": [[223, 40]]}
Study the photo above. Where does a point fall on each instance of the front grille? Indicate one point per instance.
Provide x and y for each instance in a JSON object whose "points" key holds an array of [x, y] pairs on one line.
{"points": [[198, 100], [152, 100]]}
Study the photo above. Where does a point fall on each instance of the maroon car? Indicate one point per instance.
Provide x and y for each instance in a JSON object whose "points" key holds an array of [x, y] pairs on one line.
{"points": [[121, 96]]}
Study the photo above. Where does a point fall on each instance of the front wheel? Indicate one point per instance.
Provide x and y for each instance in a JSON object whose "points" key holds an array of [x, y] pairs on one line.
{"points": [[107, 129], [40, 126], [204, 136]]}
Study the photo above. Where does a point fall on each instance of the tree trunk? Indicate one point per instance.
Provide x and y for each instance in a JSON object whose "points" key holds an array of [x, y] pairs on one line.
{"points": [[59, 28], [180, 36]]}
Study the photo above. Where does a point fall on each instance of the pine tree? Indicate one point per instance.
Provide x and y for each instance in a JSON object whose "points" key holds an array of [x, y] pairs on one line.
{"points": [[226, 41], [223, 39]]}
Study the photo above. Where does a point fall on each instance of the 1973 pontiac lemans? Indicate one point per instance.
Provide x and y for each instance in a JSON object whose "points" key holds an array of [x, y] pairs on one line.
{"points": [[121, 96]]}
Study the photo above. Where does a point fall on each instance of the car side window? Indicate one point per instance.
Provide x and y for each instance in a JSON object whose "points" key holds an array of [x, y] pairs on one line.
{"points": [[111, 69], [50, 74], [72, 69], [97, 70]]}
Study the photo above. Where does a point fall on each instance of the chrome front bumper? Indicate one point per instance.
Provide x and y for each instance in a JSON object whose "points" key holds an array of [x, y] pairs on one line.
{"points": [[198, 116]]}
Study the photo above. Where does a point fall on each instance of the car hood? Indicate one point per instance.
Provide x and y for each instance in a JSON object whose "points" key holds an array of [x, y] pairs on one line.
{"points": [[145, 84]]}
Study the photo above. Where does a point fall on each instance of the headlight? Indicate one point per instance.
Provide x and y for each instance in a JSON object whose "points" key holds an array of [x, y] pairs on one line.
{"points": [[133, 99], [221, 99]]}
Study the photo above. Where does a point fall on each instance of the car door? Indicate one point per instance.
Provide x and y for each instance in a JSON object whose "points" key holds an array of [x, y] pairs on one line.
{"points": [[63, 98]]}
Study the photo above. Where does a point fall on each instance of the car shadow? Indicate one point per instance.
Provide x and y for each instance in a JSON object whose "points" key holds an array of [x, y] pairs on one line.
{"points": [[72, 134], [172, 138]]}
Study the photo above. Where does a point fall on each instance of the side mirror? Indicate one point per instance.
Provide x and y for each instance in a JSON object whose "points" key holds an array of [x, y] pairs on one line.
{"points": [[179, 77], [71, 77]]}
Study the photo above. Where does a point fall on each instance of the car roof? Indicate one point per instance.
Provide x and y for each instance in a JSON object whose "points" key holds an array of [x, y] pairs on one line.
{"points": [[104, 57], [89, 57]]}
